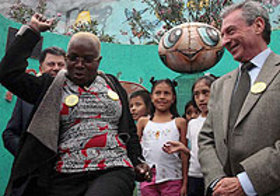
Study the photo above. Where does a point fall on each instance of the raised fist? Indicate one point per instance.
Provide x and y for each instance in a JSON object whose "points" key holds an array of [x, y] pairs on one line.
{"points": [[40, 23]]}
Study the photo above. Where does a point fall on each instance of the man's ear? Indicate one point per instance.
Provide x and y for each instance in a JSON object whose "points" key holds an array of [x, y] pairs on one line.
{"points": [[259, 25]]}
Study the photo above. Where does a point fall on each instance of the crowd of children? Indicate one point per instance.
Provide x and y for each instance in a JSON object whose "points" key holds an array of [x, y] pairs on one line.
{"points": [[169, 141]]}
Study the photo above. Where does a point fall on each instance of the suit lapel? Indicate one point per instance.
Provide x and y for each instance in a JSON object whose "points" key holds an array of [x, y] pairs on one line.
{"points": [[268, 72], [229, 84]]}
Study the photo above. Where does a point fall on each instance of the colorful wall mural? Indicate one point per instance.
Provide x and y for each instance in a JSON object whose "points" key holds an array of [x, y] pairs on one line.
{"points": [[113, 16]]}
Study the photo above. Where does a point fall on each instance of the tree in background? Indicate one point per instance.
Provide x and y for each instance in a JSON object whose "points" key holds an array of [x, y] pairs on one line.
{"points": [[22, 13], [169, 13]]}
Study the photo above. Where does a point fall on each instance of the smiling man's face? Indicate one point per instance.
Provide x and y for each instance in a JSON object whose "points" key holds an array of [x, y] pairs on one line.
{"points": [[239, 38]]}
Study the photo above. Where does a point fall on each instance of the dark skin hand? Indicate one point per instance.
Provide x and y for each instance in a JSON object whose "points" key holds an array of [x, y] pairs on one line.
{"points": [[40, 23]]}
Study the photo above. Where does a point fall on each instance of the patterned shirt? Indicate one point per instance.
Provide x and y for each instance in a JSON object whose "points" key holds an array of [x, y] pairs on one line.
{"points": [[89, 139]]}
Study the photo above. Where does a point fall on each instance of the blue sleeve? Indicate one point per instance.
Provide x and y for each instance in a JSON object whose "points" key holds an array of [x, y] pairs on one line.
{"points": [[11, 134]]}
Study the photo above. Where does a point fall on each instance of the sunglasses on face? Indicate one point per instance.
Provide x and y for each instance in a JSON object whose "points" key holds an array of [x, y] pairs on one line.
{"points": [[85, 59]]}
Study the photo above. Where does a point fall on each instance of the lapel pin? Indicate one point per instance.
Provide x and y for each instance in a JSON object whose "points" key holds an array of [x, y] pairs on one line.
{"points": [[71, 100], [113, 95], [258, 87]]}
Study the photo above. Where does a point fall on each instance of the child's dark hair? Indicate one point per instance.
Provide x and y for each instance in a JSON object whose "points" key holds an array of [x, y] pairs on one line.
{"points": [[172, 84], [145, 95], [188, 104], [209, 79]]}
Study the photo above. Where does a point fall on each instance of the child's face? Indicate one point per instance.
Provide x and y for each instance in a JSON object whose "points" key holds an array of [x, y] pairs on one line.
{"points": [[201, 96], [191, 113], [163, 97], [137, 107]]}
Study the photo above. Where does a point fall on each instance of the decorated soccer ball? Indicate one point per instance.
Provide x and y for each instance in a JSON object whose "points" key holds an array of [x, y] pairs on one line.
{"points": [[191, 47]]}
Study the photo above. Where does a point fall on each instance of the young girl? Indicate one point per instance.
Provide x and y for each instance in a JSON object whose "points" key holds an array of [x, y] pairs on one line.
{"points": [[191, 111], [201, 95], [139, 104], [164, 124]]}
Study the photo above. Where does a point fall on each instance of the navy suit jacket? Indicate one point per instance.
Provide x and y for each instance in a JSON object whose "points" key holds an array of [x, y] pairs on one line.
{"points": [[16, 125]]}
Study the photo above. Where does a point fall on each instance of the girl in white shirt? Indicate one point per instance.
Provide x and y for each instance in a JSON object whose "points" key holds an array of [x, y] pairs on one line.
{"points": [[164, 124], [201, 95]]}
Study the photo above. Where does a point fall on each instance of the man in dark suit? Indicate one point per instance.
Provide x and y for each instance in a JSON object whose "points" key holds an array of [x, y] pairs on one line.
{"points": [[240, 140], [51, 60]]}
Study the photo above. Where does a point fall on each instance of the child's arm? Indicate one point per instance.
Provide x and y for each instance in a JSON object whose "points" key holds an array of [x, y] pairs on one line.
{"points": [[182, 127], [175, 146], [141, 125]]}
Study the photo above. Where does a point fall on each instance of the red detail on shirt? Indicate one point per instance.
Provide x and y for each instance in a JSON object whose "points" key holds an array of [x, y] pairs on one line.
{"points": [[96, 117], [108, 86], [97, 141], [87, 162], [127, 163], [95, 94], [84, 152], [78, 120], [59, 165], [64, 110], [81, 90], [119, 142], [67, 151], [102, 164], [103, 128]]}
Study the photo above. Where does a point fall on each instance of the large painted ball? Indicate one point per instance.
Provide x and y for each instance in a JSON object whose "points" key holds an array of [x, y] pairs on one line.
{"points": [[191, 47]]}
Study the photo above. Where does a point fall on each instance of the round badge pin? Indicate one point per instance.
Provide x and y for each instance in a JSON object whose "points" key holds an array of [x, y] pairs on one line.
{"points": [[258, 87], [71, 100], [113, 95]]}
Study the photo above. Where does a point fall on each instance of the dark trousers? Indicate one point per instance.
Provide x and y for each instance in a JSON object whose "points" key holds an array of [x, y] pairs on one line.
{"points": [[195, 186], [110, 182]]}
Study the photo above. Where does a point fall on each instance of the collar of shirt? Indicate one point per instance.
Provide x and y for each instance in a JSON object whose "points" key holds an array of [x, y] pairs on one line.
{"points": [[258, 61]]}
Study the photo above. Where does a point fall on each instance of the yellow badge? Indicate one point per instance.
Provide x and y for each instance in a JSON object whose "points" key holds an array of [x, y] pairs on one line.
{"points": [[113, 95], [71, 100], [258, 87]]}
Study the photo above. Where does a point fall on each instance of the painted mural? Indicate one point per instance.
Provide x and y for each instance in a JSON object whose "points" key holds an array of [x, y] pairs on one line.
{"points": [[114, 16]]}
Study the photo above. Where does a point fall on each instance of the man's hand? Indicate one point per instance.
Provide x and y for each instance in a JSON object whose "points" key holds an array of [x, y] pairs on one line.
{"points": [[40, 23], [143, 172], [228, 187]]}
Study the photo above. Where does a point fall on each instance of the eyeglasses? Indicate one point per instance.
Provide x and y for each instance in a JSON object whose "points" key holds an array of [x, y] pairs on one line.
{"points": [[85, 59]]}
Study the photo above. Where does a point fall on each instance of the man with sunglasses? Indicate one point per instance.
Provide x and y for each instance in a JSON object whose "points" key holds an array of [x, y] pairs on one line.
{"points": [[81, 139], [52, 60]]}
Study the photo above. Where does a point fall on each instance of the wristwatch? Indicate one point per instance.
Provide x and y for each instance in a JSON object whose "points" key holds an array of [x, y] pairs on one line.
{"points": [[211, 186]]}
